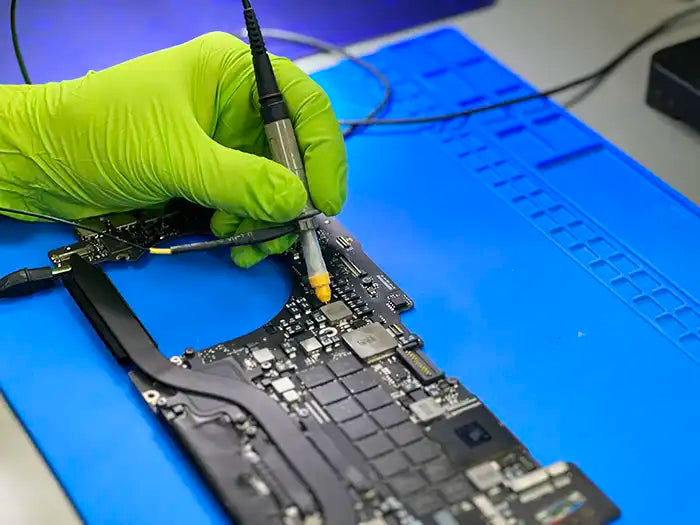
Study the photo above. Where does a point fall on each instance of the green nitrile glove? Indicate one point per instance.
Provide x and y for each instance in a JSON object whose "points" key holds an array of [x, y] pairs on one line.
{"points": [[181, 122]]}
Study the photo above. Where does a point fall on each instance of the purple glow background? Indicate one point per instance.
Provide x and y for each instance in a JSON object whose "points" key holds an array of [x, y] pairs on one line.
{"points": [[64, 39]]}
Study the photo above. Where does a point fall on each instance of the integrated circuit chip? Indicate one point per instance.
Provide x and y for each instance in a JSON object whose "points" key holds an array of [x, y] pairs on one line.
{"points": [[336, 311], [370, 342], [282, 385], [310, 345], [263, 355], [426, 409]]}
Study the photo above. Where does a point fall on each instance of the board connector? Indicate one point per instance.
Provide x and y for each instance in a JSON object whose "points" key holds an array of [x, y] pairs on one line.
{"points": [[420, 365]]}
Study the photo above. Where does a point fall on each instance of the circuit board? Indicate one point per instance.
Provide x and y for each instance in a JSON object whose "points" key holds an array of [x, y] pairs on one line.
{"points": [[146, 228], [405, 443]]}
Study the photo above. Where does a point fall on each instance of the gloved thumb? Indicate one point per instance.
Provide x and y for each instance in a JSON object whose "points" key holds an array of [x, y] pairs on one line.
{"points": [[240, 184]]}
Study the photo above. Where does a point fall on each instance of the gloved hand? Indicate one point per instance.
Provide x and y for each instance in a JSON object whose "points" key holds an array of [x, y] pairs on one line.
{"points": [[181, 122]]}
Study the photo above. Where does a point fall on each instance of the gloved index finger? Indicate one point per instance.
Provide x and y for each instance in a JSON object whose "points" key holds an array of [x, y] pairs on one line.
{"points": [[319, 136]]}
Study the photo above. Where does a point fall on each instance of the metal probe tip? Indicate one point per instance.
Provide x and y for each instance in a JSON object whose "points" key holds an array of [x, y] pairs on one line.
{"points": [[322, 287]]}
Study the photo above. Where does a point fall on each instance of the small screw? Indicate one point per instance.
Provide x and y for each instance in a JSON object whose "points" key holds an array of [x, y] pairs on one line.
{"points": [[266, 365], [189, 353], [162, 401], [303, 412]]}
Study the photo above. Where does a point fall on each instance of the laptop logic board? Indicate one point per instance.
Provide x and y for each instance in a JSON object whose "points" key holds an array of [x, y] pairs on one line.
{"points": [[333, 413]]}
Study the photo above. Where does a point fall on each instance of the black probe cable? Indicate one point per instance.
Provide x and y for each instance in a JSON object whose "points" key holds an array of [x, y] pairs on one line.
{"points": [[240, 239], [31, 280], [15, 42], [326, 47]]}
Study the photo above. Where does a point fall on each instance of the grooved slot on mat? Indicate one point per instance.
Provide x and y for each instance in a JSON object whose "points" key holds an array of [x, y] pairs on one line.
{"points": [[644, 281], [667, 299], [603, 270], [561, 214], [524, 205], [647, 306], [506, 168], [601, 247], [691, 343], [507, 190], [507, 90], [452, 88], [487, 76], [489, 156], [582, 253], [543, 220], [491, 176], [474, 101], [474, 163], [568, 157], [580, 230], [543, 200], [525, 143], [561, 133], [688, 317], [522, 183], [625, 288], [562, 236], [622, 263], [671, 326], [470, 61]]}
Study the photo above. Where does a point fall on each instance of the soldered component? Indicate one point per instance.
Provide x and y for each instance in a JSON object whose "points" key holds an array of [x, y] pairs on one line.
{"points": [[336, 311], [426, 372], [486, 475], [311, 345], [282, 385], [291, 396], [371, 342], [263, 355], [398, 301], [426, 409]]}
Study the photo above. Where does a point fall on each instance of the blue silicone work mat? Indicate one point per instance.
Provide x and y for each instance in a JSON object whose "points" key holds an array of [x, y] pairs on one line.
{"points": [[65, 39], [551, 273]]}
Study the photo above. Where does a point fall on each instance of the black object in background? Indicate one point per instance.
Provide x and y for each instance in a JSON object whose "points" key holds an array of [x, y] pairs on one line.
{"points": [[674, 82]]}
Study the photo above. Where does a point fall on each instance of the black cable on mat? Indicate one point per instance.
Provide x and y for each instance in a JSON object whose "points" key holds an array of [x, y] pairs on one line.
{"points": [[326, 47], [600, 73]]}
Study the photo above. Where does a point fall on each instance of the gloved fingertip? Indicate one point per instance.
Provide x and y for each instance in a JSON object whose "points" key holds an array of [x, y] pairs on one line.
{"points": [[330, 207], [278, 246], [330, 198], [247, 256], [223, 224], [287, 197]]}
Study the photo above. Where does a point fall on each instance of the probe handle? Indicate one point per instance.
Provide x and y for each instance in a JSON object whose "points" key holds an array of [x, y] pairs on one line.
{"points": [[284, 150]]}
